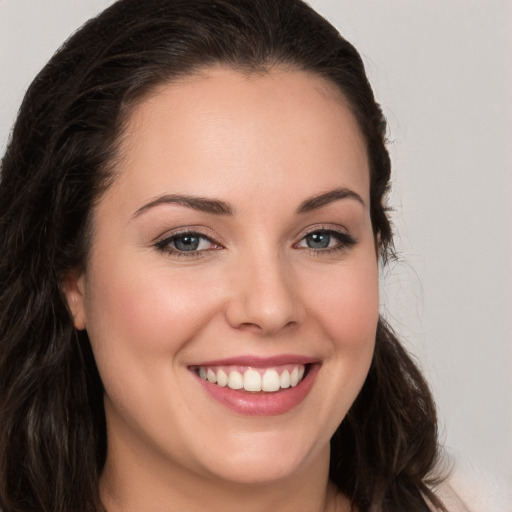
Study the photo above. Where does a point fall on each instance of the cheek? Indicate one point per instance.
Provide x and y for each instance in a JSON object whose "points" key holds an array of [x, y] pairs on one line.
{"points": [[346, 303], [138, 324], [145, 313]]}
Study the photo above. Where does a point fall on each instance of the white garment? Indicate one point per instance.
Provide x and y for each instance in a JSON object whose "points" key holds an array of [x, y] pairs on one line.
{"points": [[468, 489]]}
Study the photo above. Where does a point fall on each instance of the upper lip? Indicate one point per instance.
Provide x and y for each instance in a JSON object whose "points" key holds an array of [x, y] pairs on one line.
{"points": [[260, 362]]}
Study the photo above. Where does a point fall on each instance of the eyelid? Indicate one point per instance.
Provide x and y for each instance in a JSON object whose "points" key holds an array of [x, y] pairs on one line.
{"points": [[346, 239], [198, 230], [337, 228], [163, 243]]}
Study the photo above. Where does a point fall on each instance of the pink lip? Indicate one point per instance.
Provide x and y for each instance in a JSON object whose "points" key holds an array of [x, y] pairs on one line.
{"points": [[260, 404], [259, 362]]}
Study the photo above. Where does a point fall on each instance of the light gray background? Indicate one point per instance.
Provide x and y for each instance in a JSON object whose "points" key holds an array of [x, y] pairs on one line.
{"points": [[442, 70]]}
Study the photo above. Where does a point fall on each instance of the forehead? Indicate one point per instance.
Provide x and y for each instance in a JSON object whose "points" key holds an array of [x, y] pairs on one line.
{"points": [[222, 131]]}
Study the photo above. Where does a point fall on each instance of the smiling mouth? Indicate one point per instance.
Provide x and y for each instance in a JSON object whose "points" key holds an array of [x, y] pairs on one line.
{"points": [[254, 379], [258, 386]]}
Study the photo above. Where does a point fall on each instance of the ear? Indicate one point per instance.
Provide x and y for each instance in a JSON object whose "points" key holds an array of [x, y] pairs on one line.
{"points": [[74, 290]]}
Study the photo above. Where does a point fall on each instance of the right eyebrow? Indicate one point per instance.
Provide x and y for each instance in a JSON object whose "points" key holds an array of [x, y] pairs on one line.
{"points": [[197, 203]]}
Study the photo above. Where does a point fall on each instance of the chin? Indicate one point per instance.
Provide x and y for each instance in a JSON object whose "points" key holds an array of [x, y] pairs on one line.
{"points": [[266, 459], [257, 472]]}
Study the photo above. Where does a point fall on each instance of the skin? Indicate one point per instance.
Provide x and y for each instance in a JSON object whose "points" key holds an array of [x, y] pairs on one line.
{"points": [[263, 143]]}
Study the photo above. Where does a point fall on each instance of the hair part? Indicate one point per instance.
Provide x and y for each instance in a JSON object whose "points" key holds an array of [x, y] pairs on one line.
{"points": [[61, 158]]}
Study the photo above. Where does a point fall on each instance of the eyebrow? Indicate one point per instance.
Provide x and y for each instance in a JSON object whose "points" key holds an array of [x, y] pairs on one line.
{"points": [[197, 203], [218, 207], [326, 198]]}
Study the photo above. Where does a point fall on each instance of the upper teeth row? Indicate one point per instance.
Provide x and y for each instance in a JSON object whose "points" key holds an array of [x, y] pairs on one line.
{"points": [[253, 380]]}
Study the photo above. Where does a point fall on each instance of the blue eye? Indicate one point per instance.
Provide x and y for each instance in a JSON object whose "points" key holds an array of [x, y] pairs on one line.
{"points": [[326, 239], [319, 240], [188, 242]]}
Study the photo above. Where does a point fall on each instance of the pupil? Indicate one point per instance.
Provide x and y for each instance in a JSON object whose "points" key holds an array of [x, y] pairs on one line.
{"points": [[187, 243], [318, 240]]}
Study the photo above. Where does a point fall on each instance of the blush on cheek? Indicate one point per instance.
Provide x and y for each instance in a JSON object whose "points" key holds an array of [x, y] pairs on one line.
{"points": [[150, 314], [352, 305]]}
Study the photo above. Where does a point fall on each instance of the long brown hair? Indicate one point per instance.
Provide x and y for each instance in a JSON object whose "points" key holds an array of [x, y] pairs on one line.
{"points": [[61, 157]]}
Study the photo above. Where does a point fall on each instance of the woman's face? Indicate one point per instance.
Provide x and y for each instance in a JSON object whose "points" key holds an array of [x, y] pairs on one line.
{"points": [[234, 249]]}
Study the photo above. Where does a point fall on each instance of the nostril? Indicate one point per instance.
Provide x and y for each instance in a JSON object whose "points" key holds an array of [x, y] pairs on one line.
{"points": [[250, 327]]}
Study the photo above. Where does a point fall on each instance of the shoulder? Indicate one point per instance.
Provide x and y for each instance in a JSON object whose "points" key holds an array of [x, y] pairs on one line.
{"points": [[451, 499], [471, 490]]}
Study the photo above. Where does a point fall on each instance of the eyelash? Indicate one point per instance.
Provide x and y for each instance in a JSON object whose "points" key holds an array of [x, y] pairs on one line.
{"points": [[164, 245], [345, 241]]}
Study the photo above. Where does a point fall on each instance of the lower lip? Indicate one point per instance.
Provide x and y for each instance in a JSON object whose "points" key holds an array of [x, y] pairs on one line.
{"points": [[262, 404]]}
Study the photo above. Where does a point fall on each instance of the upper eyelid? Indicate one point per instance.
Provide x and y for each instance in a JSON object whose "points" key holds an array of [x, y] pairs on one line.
{"points": [[196, 230], [345, 236], [214, 237], [164, 244], [336, 228]]}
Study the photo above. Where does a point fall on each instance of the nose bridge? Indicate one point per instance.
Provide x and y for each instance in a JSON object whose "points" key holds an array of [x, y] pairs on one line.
{"points": [[264, 293]]}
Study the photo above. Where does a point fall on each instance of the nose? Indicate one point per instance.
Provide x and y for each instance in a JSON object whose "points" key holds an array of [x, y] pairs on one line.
{"points": [[264, 296]]}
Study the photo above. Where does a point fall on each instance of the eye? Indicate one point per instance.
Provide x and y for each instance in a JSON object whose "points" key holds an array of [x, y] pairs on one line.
{"points": [[326, 240], [187, 243]]}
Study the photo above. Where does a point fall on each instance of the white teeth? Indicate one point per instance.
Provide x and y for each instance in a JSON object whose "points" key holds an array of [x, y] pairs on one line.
{"points": [[235, 380], [252, 380], [285, 379], [255, 380], [294, 377], [270, 381], [222, 378]]}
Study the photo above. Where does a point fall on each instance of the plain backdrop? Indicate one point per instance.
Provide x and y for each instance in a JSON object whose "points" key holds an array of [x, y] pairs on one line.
{"points": [[442, 69]]}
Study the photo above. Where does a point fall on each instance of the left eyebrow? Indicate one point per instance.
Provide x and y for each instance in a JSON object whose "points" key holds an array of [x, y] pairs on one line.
{"points": [[315, 202]]}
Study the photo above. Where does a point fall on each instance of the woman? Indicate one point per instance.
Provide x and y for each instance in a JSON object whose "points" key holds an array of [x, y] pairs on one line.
{"points": [[191, 216]]}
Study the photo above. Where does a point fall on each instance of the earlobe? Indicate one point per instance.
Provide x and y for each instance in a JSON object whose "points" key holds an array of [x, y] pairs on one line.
{"points": [[73, 288]]}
